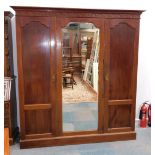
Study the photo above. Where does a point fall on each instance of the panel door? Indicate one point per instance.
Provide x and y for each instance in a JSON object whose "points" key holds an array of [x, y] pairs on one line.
{"points": [[36, 73], [120, 73]]}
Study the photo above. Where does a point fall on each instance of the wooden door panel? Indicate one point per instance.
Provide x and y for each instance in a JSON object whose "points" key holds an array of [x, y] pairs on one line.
{"points": [[120, 71], [121, 61], [119, 116], [33, 125], [36, 63]]}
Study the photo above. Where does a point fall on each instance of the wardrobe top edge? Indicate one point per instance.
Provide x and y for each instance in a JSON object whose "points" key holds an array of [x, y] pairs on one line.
{"points": [[80, 10]]}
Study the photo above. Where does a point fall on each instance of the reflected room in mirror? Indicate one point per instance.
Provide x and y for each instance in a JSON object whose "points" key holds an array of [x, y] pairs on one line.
{"points": [[80, 51]]}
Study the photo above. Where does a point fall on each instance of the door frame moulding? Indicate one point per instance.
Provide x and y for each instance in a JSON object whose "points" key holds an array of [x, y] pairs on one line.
{"points": [[77, 139], [60, 25]]}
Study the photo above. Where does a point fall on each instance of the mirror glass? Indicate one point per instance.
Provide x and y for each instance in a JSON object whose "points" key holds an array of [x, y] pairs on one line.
{"points": [[80, 51]]}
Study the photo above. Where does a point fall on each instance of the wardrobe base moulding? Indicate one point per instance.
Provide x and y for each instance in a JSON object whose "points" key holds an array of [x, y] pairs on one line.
{"points": [[77, 139]]}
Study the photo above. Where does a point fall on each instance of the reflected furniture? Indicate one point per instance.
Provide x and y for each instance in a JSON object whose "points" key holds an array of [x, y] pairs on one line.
{"points": [[70, 50], [68, 77], [10, 106]]}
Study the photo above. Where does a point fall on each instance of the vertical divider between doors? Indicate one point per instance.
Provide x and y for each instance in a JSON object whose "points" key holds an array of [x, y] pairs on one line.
{"points": [[58, 77], [101, 81], [53, 75], [105, 73], [20, 77]]}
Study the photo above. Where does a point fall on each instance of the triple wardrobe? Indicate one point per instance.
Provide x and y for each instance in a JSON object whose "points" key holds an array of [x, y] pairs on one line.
{"points": [[39, 54]]}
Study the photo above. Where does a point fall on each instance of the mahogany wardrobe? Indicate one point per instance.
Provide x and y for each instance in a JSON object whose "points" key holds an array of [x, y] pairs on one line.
{"points": [[39, 52]]}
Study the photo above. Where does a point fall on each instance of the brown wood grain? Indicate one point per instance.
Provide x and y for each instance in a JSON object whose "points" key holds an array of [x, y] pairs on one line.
{"points": [[121, 61], [120, 102], [77, 139], [37, 106], [35, 121], [120, 73], [36, 62], [37, 75], [119, 116]]}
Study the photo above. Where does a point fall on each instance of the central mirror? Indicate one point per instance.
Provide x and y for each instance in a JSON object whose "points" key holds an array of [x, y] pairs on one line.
{"points": [[80, 51]]}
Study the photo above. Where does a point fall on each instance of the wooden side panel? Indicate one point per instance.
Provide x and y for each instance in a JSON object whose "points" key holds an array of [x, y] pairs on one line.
{"points": [[120, 73]]}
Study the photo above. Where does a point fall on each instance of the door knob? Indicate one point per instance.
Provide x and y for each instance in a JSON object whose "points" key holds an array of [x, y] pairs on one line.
{"points": [[53, 78], [106, 77]]}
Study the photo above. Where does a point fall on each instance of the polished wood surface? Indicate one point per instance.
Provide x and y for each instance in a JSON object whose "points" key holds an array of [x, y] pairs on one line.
{"points": [[78, 139], [36, 64], [40, 74], [119, 116], [36, 121], [120, 72], [6, 142], [121, 61], [75, 12]]}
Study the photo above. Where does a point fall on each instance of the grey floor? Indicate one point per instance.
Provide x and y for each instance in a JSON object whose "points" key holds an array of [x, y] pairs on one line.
{"points": [[80, 116], [140, 146]]}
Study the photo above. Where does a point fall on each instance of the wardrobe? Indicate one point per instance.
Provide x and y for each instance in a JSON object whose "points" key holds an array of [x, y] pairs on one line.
{"points": [[39, 51]]}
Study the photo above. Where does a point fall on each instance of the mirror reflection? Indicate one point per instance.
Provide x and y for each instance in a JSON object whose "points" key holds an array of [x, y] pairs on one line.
{"points": [[80, 51]]}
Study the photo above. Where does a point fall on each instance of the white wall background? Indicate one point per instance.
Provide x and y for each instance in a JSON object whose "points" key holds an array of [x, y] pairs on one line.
{"points": [[146, 40]]}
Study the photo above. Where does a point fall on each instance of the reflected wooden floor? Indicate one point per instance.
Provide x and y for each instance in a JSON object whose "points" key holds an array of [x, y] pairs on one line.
{"points": [[80, 93]]}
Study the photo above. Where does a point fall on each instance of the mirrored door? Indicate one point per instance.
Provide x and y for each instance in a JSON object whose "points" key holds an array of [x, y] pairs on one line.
{"points": [[80, 59]]}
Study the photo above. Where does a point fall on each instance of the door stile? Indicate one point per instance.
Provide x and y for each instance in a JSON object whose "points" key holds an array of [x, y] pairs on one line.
{"points": [[58, 53], [106, 74], [53, 75], [101, 93], [135, 67], [20, 78]]}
